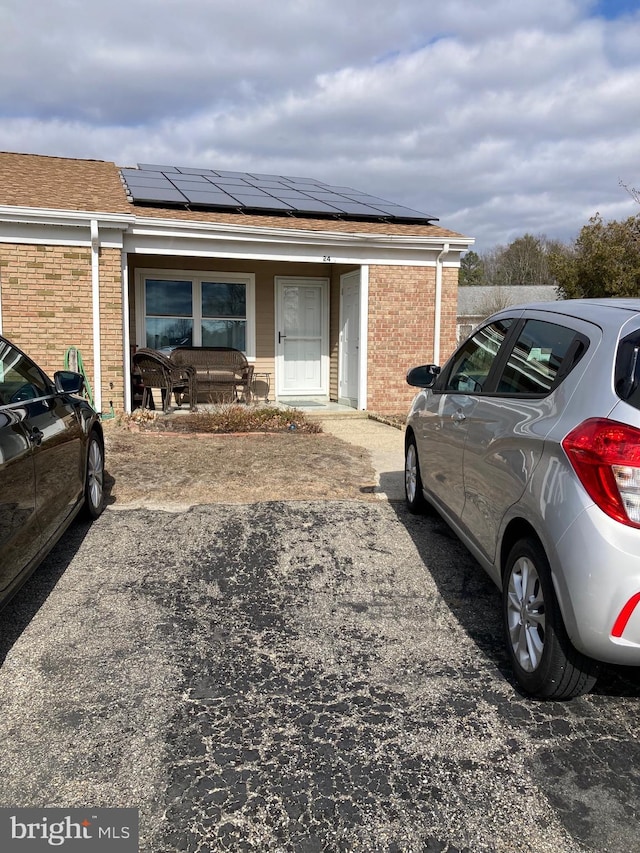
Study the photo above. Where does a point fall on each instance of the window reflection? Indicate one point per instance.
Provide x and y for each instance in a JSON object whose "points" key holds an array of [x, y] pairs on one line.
{"points": [[536, 358], [223, 299], [169, 298], [169, 332], [474, 361], [195, 312], [224, 333]]}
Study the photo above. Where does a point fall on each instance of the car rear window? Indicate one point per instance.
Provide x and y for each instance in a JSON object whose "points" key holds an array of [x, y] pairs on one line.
{"points": [[543, 353]]}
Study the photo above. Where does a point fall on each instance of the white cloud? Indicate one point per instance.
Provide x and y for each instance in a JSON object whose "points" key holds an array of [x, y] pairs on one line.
{"points": [[499, 117]]}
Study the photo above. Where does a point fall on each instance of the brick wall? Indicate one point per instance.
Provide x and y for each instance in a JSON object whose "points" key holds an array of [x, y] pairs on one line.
{"points": [[47, 307], [401, 323]]}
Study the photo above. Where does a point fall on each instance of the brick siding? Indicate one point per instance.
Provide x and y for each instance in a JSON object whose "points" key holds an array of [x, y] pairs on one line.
{"points": [[47, 307], [401, 323]]}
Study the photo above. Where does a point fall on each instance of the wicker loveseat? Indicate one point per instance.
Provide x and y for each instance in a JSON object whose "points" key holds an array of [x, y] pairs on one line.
{"points": [[157, 371], [220, 373]]}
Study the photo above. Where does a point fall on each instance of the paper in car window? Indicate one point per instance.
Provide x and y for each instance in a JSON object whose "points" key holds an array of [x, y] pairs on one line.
{"points": [[542, 356]]}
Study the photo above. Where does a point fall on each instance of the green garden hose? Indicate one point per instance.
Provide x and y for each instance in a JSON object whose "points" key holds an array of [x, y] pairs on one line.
{"points": [[73, 361]]}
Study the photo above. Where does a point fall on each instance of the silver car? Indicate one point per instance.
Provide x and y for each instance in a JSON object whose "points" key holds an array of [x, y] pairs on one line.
{"points": [[527, 442]]}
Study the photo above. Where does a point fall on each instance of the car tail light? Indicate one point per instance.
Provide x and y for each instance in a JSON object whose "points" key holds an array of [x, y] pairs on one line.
{"points": [[606, 457]]}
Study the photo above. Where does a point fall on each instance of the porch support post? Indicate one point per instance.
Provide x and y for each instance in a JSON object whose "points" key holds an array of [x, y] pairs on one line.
{"points": [[438, 306], [364, 331], [126, 337], [95, 289]]}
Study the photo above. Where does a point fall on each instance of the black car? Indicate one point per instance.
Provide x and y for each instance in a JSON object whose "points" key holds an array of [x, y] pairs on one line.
{"points": [[51, 462]]}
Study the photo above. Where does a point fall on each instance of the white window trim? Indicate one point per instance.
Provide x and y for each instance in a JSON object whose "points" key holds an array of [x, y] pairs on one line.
{"points": [[197, 277]]}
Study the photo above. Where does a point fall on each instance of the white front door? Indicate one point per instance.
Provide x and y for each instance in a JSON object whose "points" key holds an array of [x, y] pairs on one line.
{"points": [[349, 338], [302, 334]]}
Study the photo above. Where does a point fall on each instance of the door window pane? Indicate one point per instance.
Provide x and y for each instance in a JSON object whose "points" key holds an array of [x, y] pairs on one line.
{"points": [[536, 358], [474, 360]]}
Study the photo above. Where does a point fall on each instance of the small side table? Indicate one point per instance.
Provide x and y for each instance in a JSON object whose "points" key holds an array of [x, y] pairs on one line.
{"points": [[261, 382]]}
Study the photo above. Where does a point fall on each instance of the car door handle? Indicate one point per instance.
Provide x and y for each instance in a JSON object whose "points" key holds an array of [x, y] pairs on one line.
{"points": [[35, 436], [458, 417]]}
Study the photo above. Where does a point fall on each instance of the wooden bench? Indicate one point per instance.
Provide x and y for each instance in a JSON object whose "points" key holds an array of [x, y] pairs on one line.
{"points": [[221, 373]]}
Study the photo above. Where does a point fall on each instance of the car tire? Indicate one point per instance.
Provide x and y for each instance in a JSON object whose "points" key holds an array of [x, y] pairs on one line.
{"points": [[412, 479], [546, 664], [94, 477]]}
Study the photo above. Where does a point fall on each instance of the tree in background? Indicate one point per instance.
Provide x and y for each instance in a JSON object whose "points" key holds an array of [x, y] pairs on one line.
{"points": [[525, 261], [604, 261], [471, 269]]}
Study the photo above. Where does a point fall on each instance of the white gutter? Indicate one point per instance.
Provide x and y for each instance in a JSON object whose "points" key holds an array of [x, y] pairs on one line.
{"points": [[53, 216], [95, 290], [438, 312]]}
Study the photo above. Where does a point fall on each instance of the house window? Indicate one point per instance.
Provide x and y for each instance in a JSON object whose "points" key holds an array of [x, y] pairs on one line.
{"points": [[224, 314], [208, 309], [169, 313]]}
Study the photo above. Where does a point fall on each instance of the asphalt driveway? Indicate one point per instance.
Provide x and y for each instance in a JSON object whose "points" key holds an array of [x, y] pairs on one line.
{"points": [[299, 677]]}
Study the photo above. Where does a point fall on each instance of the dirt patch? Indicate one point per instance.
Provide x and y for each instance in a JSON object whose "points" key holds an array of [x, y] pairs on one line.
{"points": [[163, 469]]}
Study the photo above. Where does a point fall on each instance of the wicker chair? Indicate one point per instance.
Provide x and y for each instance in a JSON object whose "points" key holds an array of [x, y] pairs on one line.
{"points": [[158, 371], [220, 372]]}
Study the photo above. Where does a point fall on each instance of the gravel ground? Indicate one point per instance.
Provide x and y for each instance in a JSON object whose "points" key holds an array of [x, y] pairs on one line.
{"points": [[299, 676]]}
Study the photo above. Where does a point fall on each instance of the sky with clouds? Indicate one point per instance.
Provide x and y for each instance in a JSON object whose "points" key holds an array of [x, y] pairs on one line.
{"points": [[500, 117]]}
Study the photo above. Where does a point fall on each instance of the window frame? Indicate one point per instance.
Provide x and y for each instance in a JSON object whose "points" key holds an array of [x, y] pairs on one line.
{"points": [[442, 381], [197, 277], [575, 353]]}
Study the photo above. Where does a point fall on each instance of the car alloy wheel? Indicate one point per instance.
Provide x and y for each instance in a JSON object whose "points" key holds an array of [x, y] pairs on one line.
{"points": [[94, 484], [412, 479], [545, 662], [525, 614]]}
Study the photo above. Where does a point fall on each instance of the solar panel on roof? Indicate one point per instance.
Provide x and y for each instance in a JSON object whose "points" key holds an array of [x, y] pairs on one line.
{"points": [[149, 194], [264, 177], [210, 197], [224, 190], [263, 202], [187, 171], [232, 174], [312, 206], [160, 181], [190, 180], [152, 168]]}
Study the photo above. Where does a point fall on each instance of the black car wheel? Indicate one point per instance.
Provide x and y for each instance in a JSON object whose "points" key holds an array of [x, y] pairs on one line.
{"points": [[94, 479], [412, 479], [545, 663]]}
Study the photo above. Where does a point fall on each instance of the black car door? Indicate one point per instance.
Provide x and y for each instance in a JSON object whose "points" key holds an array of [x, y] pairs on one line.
{"points": [[20, 537], [55, 435]]}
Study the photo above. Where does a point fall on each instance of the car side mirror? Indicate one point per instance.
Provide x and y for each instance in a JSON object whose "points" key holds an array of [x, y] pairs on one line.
{"points": [[68, 382], [423, 376]]}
